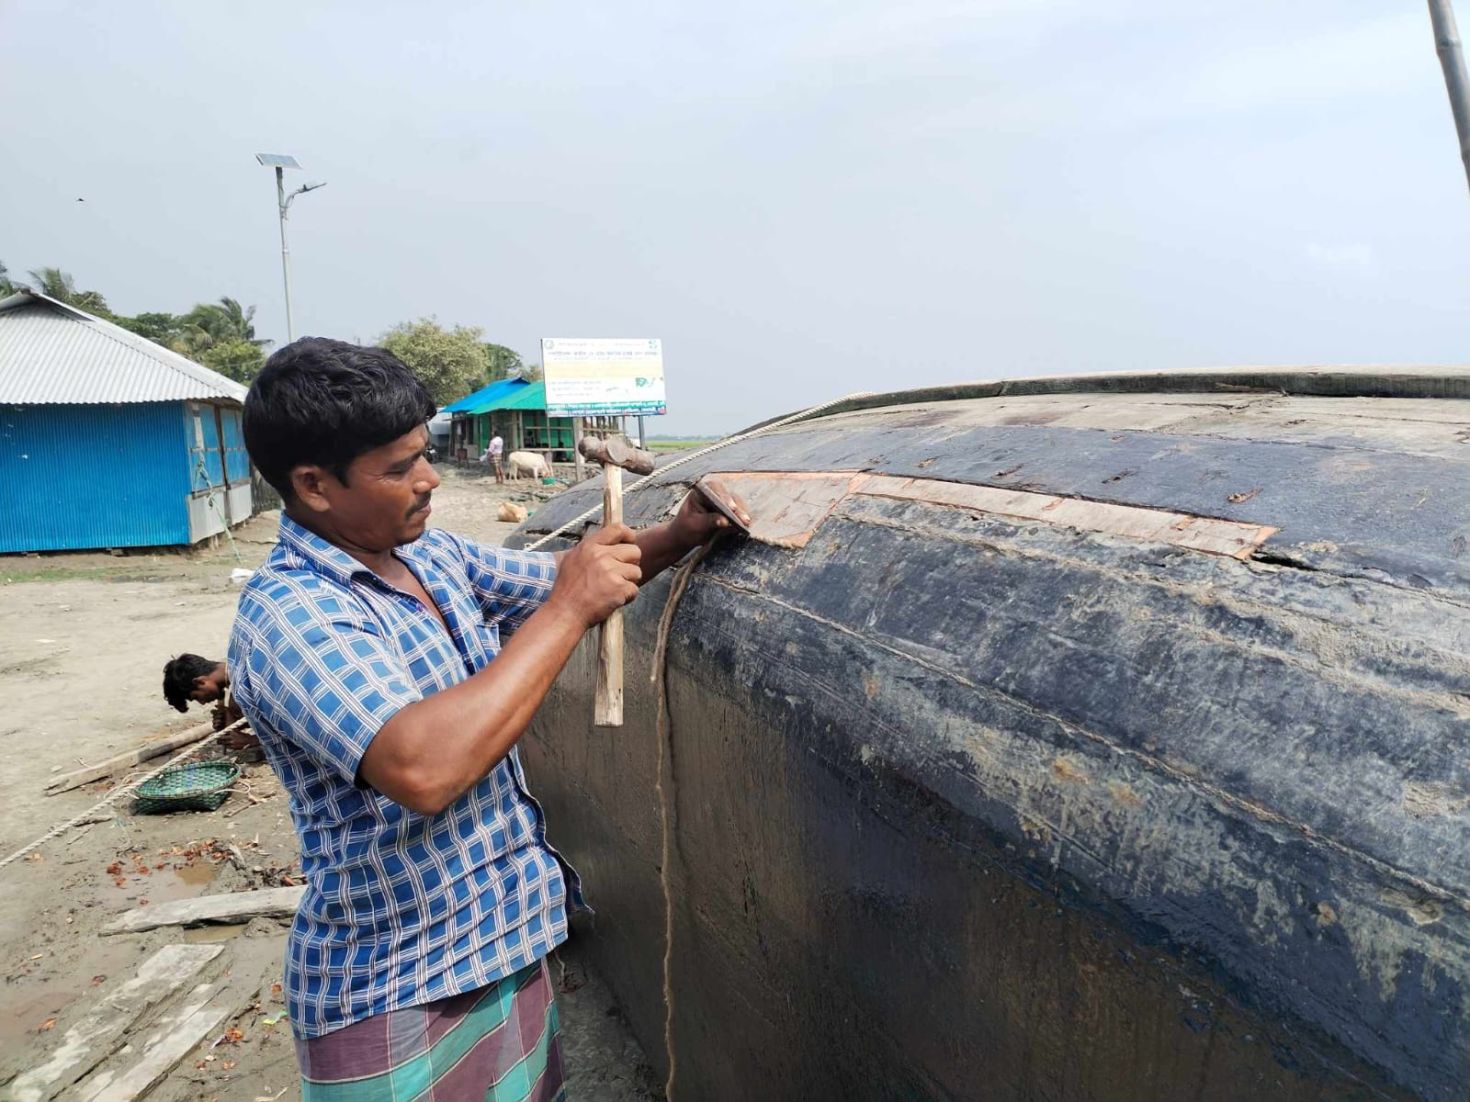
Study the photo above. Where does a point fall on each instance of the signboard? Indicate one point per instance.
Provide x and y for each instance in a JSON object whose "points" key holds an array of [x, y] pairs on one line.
{"points": [[603, 376]]}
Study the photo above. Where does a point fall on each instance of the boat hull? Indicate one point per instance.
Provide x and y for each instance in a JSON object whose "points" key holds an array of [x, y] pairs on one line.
{"points": [[968, 801]]}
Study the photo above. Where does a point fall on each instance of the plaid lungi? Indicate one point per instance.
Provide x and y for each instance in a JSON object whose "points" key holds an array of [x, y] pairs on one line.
{"points": [[500, 1043]]}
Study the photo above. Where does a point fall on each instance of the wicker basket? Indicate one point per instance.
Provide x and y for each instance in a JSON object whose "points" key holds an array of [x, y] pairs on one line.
{"points": [[196, 786]]}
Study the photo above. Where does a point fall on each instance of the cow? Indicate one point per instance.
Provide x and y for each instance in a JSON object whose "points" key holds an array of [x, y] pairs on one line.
{"points": [[529, 464]]}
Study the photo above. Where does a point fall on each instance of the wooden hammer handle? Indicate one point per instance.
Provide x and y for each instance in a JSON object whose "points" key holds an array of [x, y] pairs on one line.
{"points": [[608, 711]]}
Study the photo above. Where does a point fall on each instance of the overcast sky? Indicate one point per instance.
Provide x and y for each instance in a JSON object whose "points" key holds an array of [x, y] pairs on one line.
{"points": [[801, 198]]}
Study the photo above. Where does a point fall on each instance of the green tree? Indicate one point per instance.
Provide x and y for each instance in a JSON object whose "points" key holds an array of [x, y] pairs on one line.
{"points": [[6, 287], [240, 360], [215, 323], [159, 327], [503, 362], [449, 362], [57, 284]]}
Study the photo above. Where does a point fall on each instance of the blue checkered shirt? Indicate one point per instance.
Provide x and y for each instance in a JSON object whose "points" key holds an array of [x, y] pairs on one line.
{"points": [[400, 908]]}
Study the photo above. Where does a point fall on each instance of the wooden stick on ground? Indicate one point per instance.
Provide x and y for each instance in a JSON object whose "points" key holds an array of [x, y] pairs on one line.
{"points": [[119, 763]]}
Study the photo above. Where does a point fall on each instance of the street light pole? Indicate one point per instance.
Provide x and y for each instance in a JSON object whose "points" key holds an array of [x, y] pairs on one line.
{"points": [[1452, 61], [280, 162], [285, 249]]}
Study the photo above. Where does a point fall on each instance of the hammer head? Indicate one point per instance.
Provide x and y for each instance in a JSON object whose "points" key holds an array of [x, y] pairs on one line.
{"points": [[616, 451]]}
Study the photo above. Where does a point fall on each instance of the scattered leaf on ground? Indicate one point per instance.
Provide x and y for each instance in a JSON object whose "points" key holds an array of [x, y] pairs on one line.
{"points": [[47, 1026]]}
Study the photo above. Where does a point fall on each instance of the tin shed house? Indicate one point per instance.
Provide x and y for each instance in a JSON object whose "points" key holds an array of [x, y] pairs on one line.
{"points": [[109, 440]]}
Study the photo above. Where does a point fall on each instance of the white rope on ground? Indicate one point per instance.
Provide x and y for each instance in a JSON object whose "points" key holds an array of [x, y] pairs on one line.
{"points": [[117, 794], [656, 479]]}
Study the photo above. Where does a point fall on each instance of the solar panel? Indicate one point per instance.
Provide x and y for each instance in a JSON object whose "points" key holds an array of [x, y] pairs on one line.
{"points": [[277, 160]]}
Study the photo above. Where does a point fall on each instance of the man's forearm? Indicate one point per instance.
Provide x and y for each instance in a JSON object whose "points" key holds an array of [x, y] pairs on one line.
{"points": [[434, 750], [662, 548]]}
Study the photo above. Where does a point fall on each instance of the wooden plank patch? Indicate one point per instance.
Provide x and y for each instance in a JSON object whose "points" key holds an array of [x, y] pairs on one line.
{"points": [[1213, 535], [235, 907], [786, 507]]}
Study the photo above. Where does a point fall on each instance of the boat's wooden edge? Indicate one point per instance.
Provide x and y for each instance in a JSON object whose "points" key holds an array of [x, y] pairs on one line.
{"points": [[1323, 381]]}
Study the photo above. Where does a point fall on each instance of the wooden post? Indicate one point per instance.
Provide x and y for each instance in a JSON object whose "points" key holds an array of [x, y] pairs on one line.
{"points": [[577, 447], [608, 708]]}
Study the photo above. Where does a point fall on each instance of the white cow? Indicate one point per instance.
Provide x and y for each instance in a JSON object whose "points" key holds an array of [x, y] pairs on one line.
{"points": [[529, 464]]}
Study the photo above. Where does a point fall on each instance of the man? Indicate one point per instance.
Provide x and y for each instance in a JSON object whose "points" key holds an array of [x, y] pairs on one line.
{"points": [[205, 681], [390, 669], [190, 677], [494, 454]]}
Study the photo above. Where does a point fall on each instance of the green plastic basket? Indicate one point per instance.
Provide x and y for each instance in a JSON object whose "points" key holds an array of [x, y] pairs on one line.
{"points": [[196, 786]]}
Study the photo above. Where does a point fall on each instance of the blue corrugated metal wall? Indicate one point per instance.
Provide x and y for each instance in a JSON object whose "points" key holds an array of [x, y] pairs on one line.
{"points": [[76, 477], [235, 453]]}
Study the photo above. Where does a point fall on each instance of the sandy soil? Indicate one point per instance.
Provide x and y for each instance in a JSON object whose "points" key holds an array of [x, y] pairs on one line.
{"points": [[83, 639]]}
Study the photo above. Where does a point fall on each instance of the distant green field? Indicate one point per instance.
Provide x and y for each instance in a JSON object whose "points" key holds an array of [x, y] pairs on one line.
{"points": [[667, 444]]}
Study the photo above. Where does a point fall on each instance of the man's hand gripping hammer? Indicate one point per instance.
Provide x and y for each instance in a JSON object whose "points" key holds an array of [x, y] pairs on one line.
{"points": [[616, 454]]}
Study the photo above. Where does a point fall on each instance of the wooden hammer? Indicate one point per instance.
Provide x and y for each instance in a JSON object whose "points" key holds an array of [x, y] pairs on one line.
{"points": [[616, 454]]}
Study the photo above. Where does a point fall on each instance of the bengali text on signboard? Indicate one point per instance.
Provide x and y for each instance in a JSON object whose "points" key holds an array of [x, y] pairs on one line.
{"points": [[603, 376]]}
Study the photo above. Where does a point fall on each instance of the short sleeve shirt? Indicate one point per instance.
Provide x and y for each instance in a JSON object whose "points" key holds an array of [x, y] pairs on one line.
{"points": [[497, 445], [400, 908]]}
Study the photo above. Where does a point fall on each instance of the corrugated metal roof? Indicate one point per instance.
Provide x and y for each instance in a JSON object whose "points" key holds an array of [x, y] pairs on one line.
{"points": [[52, 353], [531, 397], [475, 401], [525, 396]]}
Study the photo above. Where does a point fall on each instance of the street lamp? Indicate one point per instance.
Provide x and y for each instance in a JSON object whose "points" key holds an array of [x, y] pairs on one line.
{"points": [[280, 162]]}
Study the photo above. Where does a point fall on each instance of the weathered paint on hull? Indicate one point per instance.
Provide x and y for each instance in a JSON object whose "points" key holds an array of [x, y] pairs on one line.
{"points": [[972, 806]]}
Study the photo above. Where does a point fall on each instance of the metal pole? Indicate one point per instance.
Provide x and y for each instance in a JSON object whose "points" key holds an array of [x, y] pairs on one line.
{"points": [[285, 252], [580, 466], [1452, 60], [641, 437]]}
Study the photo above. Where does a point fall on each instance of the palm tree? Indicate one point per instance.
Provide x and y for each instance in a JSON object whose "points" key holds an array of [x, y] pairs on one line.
{"points": [[240, 322], [54, 283], [216, 323]]}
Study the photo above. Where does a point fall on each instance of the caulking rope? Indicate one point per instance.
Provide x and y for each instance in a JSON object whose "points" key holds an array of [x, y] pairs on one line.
{"points": [[665, 734]]}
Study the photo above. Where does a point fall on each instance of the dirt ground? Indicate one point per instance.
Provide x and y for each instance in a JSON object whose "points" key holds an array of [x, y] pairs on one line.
{"points": [[83, 639]]}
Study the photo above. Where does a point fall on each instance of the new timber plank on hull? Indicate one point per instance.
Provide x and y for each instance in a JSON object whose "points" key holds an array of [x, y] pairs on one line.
{"points": [[1211, 534]]}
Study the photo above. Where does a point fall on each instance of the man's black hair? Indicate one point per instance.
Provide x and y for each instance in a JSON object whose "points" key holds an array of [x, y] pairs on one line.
{"points": [[327, 402], [179, 675]]}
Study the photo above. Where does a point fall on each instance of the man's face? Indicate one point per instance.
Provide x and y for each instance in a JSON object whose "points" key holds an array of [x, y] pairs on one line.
{"points": [[384, 502], [211, 686]]}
